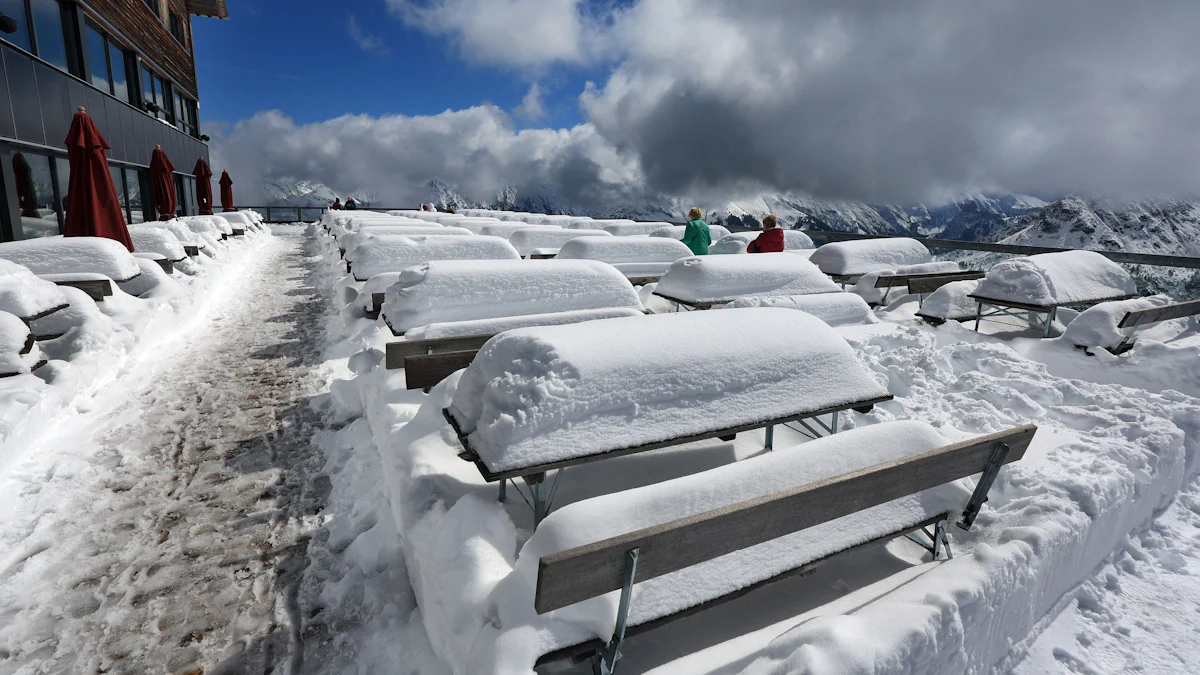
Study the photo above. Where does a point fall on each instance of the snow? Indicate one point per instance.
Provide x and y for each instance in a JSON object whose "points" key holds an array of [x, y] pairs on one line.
{"points": [[866, 283], [868, 255], [157, 240], [66, 255], [539, 395], [525, 636], [716, 232], [793, 240], [1097, 326], [618, 249], [633, 229], [25, 295], [475, 225], [390, 253], [599, 224], [13, 336], [506, 230], [835, 309], [714, 279], [1061, 278], [452, 329], [182, 232], [461, 290], [350, 241], [224, 226], [527, 240], [952, 301]]}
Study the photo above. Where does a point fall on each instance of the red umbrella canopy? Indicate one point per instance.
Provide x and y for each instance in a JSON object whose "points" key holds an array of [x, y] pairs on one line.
{"points": [[226, 192], [26, 192], [203, 186], [93, 209], [162, 184]]}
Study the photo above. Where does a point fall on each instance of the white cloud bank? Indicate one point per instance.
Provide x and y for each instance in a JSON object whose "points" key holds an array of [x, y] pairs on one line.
{"points": [[872, 101]]}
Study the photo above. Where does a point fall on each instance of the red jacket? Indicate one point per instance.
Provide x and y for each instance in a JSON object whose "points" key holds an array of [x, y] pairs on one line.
{"points": [[770, 241]]}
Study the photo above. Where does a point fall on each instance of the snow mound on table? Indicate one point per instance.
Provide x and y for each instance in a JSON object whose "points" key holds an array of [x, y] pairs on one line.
{"points": [[392, 253], [181, 231], [865, 288], [224, 226], [793, 240], [835, 309], [952, 301], [506, 230], [451, 329], [24, 294], [466, 290], [153, 282], [1059, 278], [868, 255], [539, 395], [241, 219], [633, 229], [624, 249], [67, 255], [351, 241], [14, 336], [528, 240], [717, 232], [475, 225], [598, 224], [713, 279], [157, 240], [1097, 325], [526, 636]]}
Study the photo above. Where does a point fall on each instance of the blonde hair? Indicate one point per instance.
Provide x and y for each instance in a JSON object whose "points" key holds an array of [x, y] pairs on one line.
{"points": [[770, 222], [695, 214]]}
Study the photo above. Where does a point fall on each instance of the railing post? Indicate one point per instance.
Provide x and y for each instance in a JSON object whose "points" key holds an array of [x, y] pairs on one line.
{"points": [[267, 217]]}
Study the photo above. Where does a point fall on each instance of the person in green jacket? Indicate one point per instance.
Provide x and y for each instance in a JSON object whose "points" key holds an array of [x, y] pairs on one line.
{"points": [[696, 236]]}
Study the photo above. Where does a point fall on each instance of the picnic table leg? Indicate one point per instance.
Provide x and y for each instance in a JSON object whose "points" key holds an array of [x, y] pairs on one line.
{"points": [[770, 444], [604, 662], [978, 315], [1050, 321], [503, 489], [538, 504]]}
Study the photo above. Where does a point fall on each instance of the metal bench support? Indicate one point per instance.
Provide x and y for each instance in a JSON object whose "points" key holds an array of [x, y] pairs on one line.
{"points": [[1028, 315], [1128, 339], [539, 500], [985, 483], [604, 662], [937, 540]]}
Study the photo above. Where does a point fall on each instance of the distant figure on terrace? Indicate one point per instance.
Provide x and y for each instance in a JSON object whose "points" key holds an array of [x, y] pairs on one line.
{"points": [[449, 208], [696, 236], [426, 207], [351, 205], [771, 239], [337, 204]]}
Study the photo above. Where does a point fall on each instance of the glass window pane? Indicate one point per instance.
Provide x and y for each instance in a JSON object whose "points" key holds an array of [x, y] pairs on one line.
{"points": [[193, 203], [147, 86], [63, 173], [47, 23], [35, 194], [16, 9], [164, 97], [97, 58], [119, 185], [134, 187], [116, 61]]}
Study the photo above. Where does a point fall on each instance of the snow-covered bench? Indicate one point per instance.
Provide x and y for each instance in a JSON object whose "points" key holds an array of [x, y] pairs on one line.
{"points": [[874, 287], [691, 543], [26, 296], [736, 243], [475, 225], [598, 223], [506, 230], [469, 290], [545, 242], [1114, 325], [192, 243], [19, 353], [632, 229], [835, 309], [703, 281], [715, 232], [1040, 284], [536, 400], [88, 263], [950, 301], [642, 260], [158, 240], [845, 261], [393, 253], [351, 240]]}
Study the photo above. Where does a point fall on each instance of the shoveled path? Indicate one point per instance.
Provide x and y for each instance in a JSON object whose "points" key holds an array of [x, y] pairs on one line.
{"points": [[170, 532]]}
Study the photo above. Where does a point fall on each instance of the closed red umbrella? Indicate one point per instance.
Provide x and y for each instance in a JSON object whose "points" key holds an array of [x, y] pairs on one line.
{"points": [[162, 184], [93, 209], [203, 186], [26, 192], [226, 192]]}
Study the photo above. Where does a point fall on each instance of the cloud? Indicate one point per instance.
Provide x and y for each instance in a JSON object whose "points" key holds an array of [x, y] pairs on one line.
{"points": [[531, 107], [477, 150], [365, 41], [516, 33]]}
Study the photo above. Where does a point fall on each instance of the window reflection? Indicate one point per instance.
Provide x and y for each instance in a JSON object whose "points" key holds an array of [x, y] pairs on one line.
{"points": [[97, 52], [16, 9], [62, 177], [118, 179], [133, 187], [120, 81], [35, 195], [47, 26]]}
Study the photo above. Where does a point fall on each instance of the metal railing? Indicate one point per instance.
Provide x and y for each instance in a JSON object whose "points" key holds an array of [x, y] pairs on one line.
{"points": [[1016, 249]]}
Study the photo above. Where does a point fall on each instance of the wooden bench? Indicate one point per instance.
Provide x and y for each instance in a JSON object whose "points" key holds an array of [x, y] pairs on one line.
{"points": [[395, 353], [542, 256], [166, 265], [238, 231], [921, 284], [643, 279], [1138, 318], [1028, 311], [693, 305], [191, 250], [535, 475], [574, 575], [97, 289]]}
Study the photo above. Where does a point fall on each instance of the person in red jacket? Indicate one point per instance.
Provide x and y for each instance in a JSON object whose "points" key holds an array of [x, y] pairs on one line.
{"points": [[771, 239]]}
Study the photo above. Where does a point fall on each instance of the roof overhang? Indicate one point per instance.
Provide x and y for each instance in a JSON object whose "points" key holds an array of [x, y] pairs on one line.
{"points": [[213, 8]]}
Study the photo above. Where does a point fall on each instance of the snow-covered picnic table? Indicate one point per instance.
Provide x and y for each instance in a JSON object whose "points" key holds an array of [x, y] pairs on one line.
{"points": [[393, 253], [528, 240], [73, 255], [715, 232], [640, 259], [847, 260], [736, 243], [704, 281]]}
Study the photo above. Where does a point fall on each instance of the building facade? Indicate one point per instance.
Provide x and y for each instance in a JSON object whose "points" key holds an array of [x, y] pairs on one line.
{"points": [[130, 64]]}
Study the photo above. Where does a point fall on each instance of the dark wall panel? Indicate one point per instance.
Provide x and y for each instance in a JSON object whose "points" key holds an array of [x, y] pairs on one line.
{"points": [[26, 110], [77, 95], [49, 92], [7, 126], [127, 134], [114, 133]]}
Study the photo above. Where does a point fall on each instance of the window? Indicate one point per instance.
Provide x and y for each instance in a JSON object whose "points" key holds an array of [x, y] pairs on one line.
{"points": [[153, 5], [133, 188], [62, 183], [120, 80], [180, 115], [193, 202], [48, 32], [156, 90], [35, 196], [118, 179], [97, 53], [177, 29], [16, 10]]}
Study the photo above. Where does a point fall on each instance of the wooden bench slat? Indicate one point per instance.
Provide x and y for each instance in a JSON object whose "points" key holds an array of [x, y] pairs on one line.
{"points": [[584, 572], [930, 283], [97, 289], [396, 352], [1164, 313], [425, 370]]}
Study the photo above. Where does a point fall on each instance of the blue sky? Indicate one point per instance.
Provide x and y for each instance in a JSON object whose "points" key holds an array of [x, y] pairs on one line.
{"points": [[299, 56]]}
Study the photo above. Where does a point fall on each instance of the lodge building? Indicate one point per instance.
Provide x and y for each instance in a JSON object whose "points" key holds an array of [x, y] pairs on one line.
{"points": [[131, 64]]}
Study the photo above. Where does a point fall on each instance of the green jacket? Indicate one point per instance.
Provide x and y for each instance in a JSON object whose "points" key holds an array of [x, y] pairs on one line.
{"points": [[697, 237]]}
